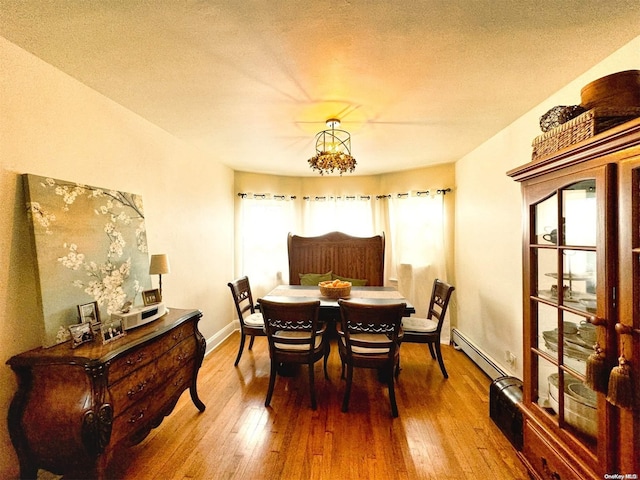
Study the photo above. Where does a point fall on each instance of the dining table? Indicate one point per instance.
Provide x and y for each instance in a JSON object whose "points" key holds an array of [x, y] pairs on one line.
{"points": [[329, 307]]}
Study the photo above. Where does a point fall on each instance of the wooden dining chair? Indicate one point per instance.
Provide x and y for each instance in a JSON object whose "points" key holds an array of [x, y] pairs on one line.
{"points": [[295, 336], [251, 321], [428, 330], [368, 338]]}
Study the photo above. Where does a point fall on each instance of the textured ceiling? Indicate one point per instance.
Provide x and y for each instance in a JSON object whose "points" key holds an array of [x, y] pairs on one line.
{"points": [[415, 82]]}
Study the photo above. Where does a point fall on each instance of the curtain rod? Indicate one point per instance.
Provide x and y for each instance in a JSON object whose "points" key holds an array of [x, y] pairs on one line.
{"points": [[416, 193], [338, 197], [412, 193]]}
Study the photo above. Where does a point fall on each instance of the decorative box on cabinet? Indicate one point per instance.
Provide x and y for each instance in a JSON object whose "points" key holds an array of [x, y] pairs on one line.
{"points": [[75, 407], [581, 277]]}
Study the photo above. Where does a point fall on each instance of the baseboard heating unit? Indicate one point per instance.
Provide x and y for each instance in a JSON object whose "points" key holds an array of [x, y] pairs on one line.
{"points": [[486, 364]]}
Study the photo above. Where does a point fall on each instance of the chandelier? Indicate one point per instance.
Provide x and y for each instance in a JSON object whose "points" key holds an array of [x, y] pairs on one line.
{"points": [[333, 150]]}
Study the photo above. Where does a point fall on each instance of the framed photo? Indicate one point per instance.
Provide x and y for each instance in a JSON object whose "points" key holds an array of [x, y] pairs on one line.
{"points": [[80, 333], [150, 297], [112, 330], [89, 312]]}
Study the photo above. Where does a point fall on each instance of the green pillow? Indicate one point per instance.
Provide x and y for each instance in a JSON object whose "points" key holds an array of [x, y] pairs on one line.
{"points": [[313, 279], [356, 282]]}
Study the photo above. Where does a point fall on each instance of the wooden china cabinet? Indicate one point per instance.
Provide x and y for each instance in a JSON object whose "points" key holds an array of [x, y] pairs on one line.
{"points": [[581, 288]]}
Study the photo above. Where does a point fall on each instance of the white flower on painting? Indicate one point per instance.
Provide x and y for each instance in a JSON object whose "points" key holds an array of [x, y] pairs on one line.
{"points": [[73, 259], [39, 215], [117, 244]]}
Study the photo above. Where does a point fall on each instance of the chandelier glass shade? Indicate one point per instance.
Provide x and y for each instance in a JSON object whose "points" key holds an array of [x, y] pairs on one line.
{"points": [[333, 150]]}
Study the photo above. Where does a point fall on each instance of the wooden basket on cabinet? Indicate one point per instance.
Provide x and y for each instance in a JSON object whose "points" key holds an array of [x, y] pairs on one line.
{"points": [[581, 128]]}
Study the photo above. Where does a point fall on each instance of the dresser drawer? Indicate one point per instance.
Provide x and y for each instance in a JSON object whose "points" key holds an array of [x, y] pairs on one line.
{"points": [[147, 378], [133, 360], [546, 461], [143, 414]]}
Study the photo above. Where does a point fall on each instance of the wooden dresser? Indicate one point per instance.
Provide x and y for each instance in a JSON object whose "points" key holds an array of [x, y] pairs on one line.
{"points": [[75, 407]]}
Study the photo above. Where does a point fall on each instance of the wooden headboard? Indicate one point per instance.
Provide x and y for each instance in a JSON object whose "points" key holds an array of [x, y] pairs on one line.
{"points": [[342, 254]]}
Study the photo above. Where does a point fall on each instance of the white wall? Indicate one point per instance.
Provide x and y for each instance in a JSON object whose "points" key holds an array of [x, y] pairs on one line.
{"points": [[488, 254], [51, 125]]}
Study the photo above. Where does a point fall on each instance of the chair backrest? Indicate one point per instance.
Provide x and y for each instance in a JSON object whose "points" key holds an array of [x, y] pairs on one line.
{"points": [[298, 317], [440, 296], [365, 318], [241, 292]]}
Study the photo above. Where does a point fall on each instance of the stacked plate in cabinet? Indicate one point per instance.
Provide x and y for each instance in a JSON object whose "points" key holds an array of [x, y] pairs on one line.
{"points": [[580, 403]]}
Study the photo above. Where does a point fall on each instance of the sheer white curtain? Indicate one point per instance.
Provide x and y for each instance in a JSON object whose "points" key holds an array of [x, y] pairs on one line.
{"points": [[417, 249], [264, 225], [350, 215]]}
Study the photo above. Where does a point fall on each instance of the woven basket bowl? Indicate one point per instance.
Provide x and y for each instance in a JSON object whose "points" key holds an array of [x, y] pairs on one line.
{"points": [[335, 292], [618, 90]]}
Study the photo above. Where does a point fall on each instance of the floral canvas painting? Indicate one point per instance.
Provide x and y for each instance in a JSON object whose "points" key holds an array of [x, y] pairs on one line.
{"points": [[91, 245]]}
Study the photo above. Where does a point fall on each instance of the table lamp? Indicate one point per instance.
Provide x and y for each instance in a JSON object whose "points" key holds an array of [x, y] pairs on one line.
{"points": [[159, 265]]}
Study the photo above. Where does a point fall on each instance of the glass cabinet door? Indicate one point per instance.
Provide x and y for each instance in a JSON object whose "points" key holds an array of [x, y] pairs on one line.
{"points": [[629, 343], [563, 285]]}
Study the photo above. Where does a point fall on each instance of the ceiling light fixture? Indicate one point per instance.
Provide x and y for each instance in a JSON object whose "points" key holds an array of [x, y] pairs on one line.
{"points": [[333, 150]]}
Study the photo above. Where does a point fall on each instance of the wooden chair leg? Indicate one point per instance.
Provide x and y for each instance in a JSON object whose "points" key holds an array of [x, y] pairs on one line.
{"points": [[312, 387], [441, 361], [272, 383], [242, 338], [392, 394], [253, 337], [433, 353], [347, 390], [326, 359]]}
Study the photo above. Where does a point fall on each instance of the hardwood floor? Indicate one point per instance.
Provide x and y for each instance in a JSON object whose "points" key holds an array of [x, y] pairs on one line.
{"points": [[443, 431]]}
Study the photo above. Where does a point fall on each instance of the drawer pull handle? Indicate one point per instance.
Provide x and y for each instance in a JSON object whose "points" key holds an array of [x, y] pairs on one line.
{"points": [[138, 416], [134, 391], [177, 336], [138, 359], [183, 357]]}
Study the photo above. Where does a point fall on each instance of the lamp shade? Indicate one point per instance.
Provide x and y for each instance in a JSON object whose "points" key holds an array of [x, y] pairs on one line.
{"points": [[159, 264]]}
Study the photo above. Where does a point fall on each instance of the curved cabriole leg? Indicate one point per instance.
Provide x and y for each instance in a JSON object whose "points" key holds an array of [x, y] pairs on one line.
{"points": [[272, 383], [242, 338], [193, 389], [194, 397], [441, 361]]}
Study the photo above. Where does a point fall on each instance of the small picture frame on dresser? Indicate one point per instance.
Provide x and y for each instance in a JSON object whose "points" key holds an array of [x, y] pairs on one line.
{"points": [[88, 312], [112, 330], [80, 333], [151, 297]]}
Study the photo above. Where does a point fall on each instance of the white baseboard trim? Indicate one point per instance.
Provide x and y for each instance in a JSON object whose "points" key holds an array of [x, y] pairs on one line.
{"points": [[215, 341]]}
